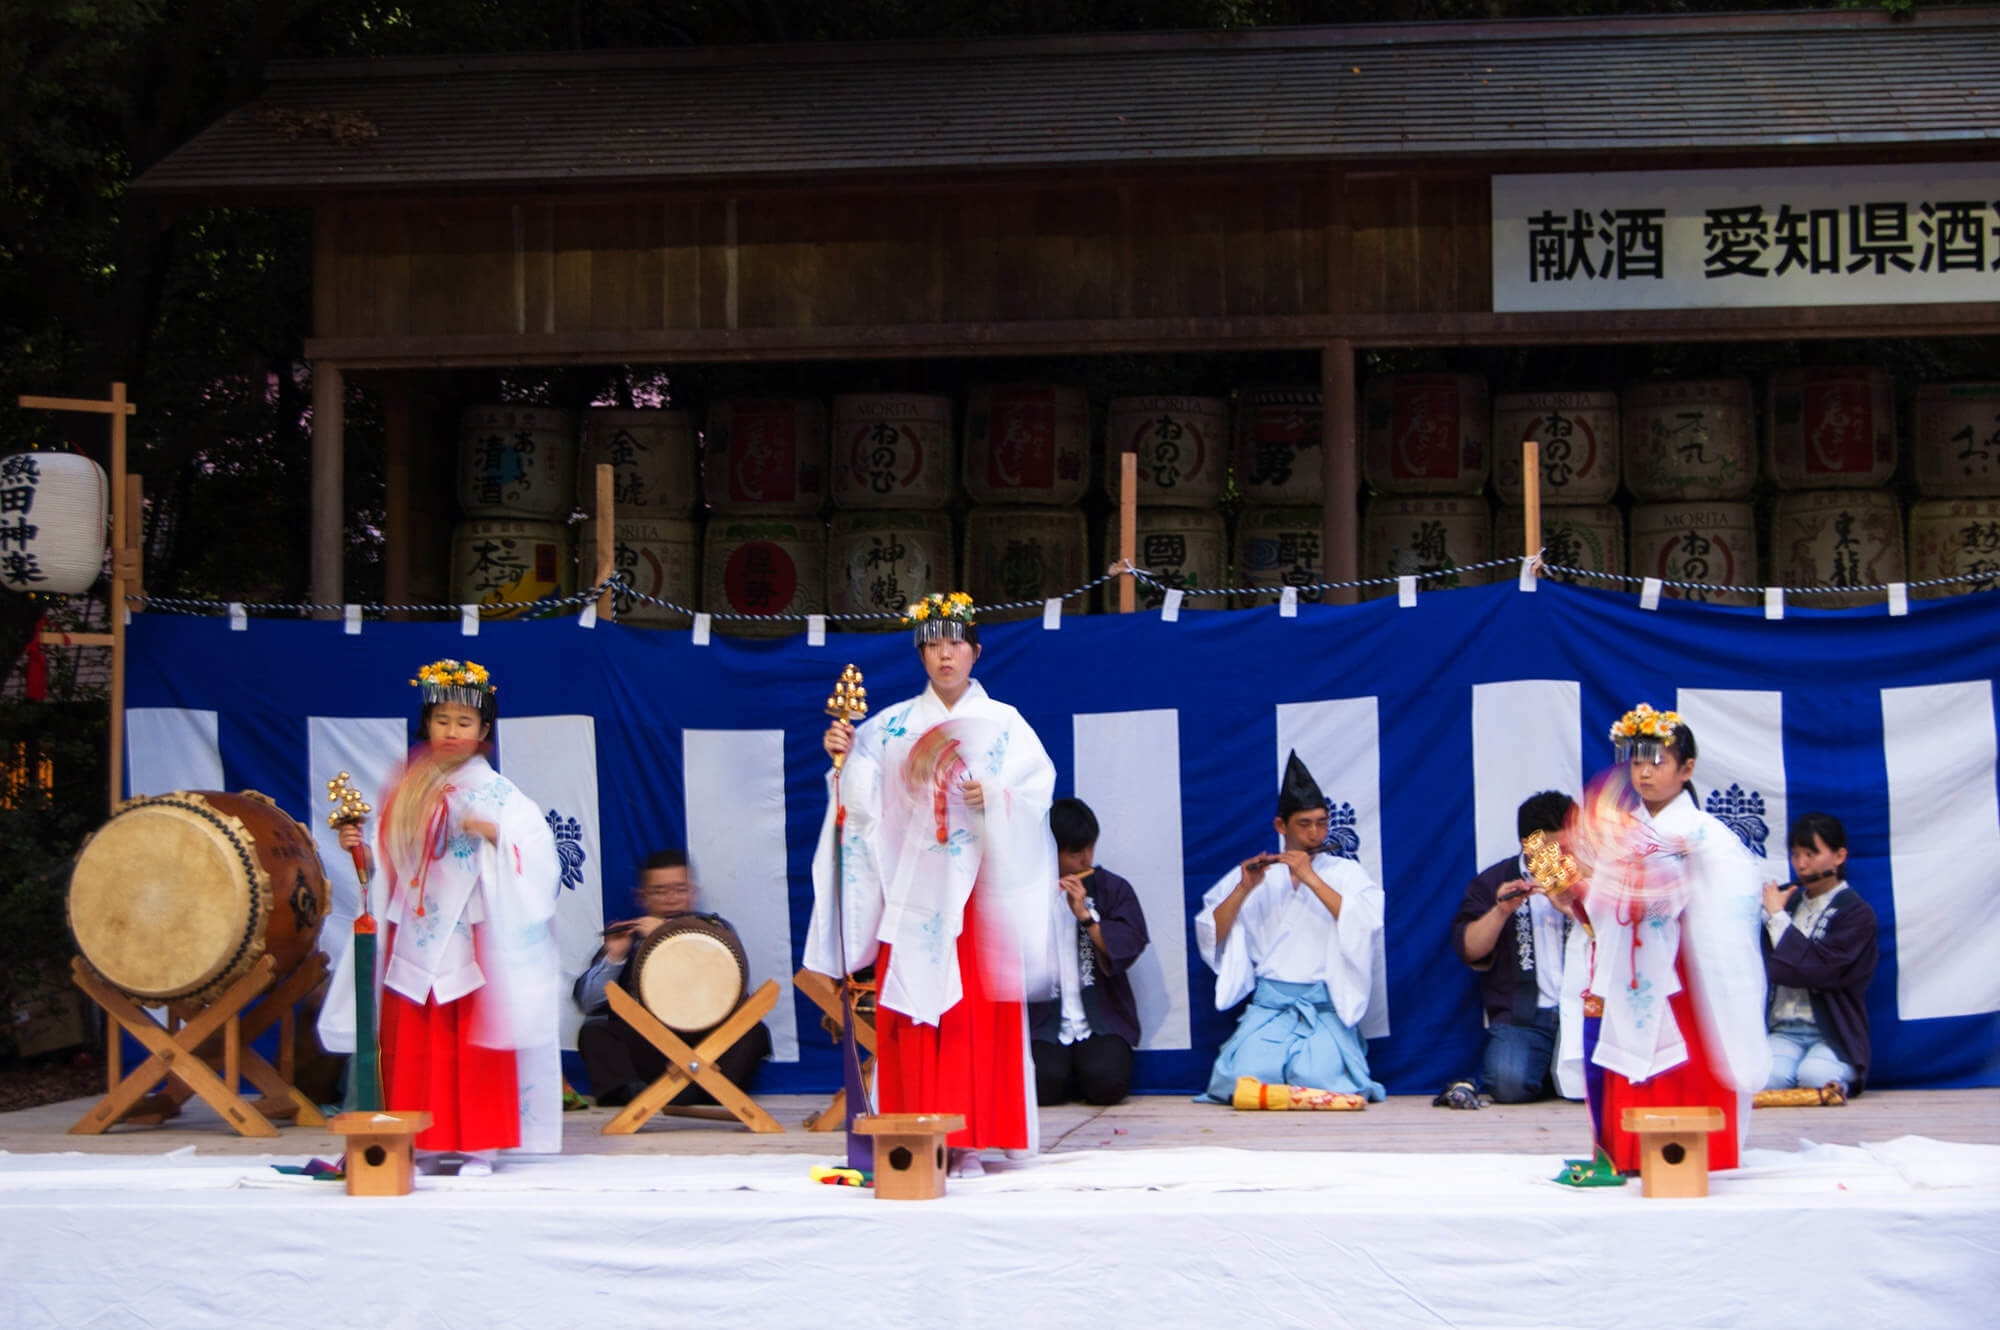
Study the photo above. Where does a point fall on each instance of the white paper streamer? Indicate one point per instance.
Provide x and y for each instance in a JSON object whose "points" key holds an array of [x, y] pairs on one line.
{"points": [[1899, 599], [468, 620], [1406, 591], [1649, 593], [1170, 609], [239, 618], [1051, 615], [351, 615], [1288, 603], [701, 623], [1774, 602], [815, 630]]}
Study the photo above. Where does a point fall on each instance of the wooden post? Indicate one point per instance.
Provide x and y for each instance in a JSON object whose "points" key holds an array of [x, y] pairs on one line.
{"points": [[607, 540], [1128, 528], [1340, 550], [1531, 501], [328, 428], [396, 495]]}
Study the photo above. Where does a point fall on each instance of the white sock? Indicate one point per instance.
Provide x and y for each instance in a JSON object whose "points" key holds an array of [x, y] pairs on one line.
{"points": [[429, 1162], [478, 1164], [966, 1164]]}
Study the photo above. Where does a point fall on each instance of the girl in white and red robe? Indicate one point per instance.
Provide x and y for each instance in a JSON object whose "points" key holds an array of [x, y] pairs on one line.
{"points": [[468, 980]]}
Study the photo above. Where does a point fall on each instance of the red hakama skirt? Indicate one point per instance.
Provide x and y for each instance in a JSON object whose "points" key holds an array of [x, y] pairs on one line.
{"points": [[973, 1061], [429, 1062], [1693, 1084]]}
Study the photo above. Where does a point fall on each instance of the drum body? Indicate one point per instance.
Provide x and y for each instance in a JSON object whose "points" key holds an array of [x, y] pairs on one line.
{"points": [[690, 973], [178, 895]]}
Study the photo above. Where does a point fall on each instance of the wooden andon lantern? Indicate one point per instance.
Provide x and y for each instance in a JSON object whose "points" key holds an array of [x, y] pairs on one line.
{"points": [[381, 1151], [1673, 1148], [909, 1153]]}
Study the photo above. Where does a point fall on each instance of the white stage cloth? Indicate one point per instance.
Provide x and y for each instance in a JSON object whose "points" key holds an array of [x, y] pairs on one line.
{"points": [[1906, 1232]]}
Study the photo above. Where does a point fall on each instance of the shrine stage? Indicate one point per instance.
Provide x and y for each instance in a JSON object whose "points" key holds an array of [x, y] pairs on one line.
{"points": [[1159, 1212]]}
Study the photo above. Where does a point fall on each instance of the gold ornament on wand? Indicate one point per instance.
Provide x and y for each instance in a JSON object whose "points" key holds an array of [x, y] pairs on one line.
{"points": [[849, 703], [349, 806], [1554, 869]]}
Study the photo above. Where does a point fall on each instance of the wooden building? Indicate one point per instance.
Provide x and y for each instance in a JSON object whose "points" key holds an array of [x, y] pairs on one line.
{"points": [[1323, 189]]}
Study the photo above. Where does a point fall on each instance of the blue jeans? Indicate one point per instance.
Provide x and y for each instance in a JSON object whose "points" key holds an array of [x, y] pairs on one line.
{"points": [[1800, 1057], [1515, 1068]]}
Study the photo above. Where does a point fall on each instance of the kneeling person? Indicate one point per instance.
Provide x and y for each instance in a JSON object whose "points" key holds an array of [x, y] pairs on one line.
{"points": [[1084, 1031], [1297, 927], [620, 1061]]}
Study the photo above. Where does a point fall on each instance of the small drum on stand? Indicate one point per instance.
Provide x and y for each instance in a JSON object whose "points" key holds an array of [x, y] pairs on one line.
{"points": [[690, 973], [177, 896]]}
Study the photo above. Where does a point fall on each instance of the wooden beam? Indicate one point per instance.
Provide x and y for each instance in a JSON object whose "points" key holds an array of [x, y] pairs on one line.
{"points": [[1340, 546], [328, 507], [607, 537], [117, 406], [1128, 527]]}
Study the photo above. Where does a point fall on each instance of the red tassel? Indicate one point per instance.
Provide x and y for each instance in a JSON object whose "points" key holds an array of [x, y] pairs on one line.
{"points": [[35, 666], [938, 810]]}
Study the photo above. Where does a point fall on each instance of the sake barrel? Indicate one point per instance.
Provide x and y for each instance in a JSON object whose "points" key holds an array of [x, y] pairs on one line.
{"points": [[877, 563], [497, 560], [764, 455], [893, 450], [516, 461], [1277, 548], [1590, 537], [1950, 537], [1181, 443], [1578, 434], [1712, 543], [1837, 538], [1831, 428], [763, 565], [1689, 439], [1024, 554], [1433, 538], [1027, 443], [1182, 547], [653, 555], [1957, 439], [651, 453], [1277, 445], [1426, 434]]}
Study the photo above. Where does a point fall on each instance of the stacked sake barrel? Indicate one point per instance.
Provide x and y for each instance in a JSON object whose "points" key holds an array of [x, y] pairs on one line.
{"points": [[655, 544], [516, 483], [1180, 444], [764, 471], [1279, 471], [894, 463], [1576, 434], [1831, 442], [1955, 526], [1689, 449], [1425, 453], [1027, 448]]}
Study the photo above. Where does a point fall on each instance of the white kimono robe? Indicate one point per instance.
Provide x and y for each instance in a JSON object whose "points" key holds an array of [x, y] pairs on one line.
{"points": [[485, 931], [1284, 932], [1715, 933], [900, 886]]}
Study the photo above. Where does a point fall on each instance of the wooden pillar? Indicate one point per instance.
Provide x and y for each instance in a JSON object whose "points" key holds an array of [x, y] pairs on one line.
{"points": [[121, 539], [1340, 549], [328, 504], [1128, 528], [396, 498]]}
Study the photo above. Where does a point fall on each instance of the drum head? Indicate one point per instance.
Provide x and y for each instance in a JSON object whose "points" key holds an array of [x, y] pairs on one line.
{"points": [[165, 897], [691, 975]]}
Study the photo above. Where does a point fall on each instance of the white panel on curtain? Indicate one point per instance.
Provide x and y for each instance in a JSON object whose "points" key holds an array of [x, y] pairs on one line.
{"points": [[1526, 738], [1739, 737], [171, 748], [367, 748], [553, 760]]}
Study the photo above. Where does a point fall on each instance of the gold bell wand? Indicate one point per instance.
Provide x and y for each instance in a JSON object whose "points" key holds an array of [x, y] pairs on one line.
{"points": [[364, 1077], [848, 704]]}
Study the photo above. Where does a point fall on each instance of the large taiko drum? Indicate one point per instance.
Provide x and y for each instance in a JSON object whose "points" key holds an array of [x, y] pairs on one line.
{"points": [[178, 895], [691, 973]]}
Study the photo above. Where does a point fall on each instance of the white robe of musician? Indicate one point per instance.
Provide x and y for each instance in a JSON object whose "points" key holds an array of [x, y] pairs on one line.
{"points": [[900, 886], [1284, 932], [1716, 933], [485, 931]]}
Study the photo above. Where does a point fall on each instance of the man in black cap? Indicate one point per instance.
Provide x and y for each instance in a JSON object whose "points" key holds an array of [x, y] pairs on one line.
{"points": [[1295, 931]]}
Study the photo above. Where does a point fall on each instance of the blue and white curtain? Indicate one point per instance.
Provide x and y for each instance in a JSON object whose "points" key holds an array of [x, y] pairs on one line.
{"points": [[1424, 725]]}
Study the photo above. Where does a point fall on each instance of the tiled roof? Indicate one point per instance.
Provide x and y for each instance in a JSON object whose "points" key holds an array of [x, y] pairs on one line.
{"points": [[1362, 94]]}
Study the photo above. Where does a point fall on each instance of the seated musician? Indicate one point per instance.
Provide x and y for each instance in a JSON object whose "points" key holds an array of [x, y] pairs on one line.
{"points": [[1819, 954], [1294, 932], [618, 1060]]}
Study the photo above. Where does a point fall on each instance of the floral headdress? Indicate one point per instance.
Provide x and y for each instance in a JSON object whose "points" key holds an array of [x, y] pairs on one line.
{"points": [[1646, 732], [941, 617], [462, 681]]}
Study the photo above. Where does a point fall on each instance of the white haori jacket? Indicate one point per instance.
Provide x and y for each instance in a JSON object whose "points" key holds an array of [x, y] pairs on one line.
{"points": [[899, 885], [485, 933], [1285, 932], [1714, 929]]}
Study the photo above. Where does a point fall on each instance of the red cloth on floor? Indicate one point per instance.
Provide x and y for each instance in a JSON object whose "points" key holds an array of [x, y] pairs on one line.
{"points": [[1693, 1084], [973, 1061], [430, 1062]]}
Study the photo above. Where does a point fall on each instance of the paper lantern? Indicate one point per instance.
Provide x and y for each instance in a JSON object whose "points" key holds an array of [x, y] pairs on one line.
{"points": [[53, 509]]}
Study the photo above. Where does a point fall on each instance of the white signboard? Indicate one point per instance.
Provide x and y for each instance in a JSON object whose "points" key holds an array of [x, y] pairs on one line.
{"points": [[1865, 235]]}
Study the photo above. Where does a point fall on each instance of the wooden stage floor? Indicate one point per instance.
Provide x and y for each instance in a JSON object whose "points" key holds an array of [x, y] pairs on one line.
{"points": [[1403, 1124]]}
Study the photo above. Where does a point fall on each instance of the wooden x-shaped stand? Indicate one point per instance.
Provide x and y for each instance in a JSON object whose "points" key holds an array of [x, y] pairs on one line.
{"points": [[176, 1053], [824, 990], [695, 1065]]}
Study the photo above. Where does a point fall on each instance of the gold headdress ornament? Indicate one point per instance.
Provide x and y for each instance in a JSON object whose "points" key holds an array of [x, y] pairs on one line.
{"points": [[941, 617], [1644, 731], [462, 681]]}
